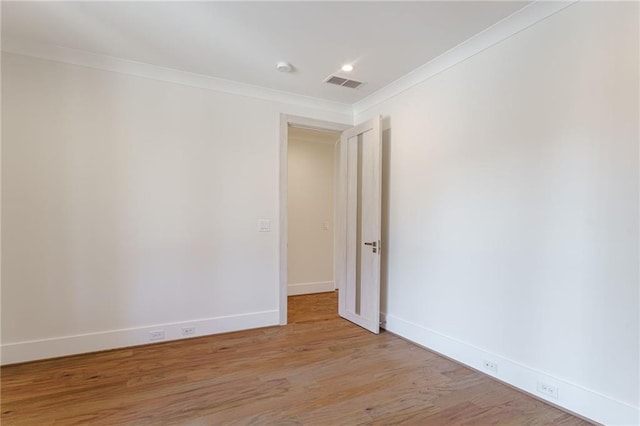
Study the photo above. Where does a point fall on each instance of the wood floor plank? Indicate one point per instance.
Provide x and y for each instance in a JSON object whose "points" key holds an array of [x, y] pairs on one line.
{"points": [[318, 370]]}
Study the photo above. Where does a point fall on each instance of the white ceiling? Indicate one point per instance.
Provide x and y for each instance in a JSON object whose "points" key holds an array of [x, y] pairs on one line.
{"points": [[242, 41]]}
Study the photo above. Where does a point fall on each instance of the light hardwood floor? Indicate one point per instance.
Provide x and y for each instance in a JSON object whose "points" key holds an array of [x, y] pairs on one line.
{"points": [[318, 370]]}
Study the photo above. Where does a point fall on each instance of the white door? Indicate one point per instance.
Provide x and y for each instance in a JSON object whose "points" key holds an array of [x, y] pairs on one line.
{"points": [[359, 211]]}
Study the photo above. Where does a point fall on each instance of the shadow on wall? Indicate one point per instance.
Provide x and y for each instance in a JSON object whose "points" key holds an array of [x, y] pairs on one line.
{"points": [[386, 162]]}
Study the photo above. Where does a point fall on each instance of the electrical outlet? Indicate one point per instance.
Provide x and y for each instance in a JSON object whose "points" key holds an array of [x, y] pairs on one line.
{"points": [[548, 390], [491, 366], [188, 331], [156, 335]]}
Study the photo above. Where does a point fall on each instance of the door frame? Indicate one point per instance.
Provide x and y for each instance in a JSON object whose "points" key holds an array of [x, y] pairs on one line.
{"points": [[310, 123]]}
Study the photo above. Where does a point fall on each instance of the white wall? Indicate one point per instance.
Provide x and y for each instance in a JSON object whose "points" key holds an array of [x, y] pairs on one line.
{"points": [[511, 195], [513, 210], [310, 205], [130, 205]]}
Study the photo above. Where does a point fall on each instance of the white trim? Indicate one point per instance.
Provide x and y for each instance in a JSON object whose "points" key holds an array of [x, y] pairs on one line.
{"points": [[502, 30], [336, 213], [311, 123], [571, 397], [283, 200], [296, 289], [82, 343], [154, 72]]}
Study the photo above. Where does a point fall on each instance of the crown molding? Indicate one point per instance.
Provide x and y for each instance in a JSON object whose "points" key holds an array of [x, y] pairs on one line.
{"points": [[154, 72], [502, 30]]}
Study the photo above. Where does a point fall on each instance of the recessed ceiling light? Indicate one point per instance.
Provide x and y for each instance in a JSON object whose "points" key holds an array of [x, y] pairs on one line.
{"points": [[347, 68]]}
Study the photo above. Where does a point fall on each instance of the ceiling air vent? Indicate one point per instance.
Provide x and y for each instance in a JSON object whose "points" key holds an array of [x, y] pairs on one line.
{"points": [[344, 82]]}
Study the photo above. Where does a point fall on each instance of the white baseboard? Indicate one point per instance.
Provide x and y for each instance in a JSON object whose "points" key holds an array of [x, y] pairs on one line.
{"points": [[308, 288], [12, 353], [574, 398]]}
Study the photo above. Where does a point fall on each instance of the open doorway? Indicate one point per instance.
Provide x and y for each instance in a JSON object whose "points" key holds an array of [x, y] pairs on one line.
{"points": [[357, 205], [311, 194], [309, 163]]}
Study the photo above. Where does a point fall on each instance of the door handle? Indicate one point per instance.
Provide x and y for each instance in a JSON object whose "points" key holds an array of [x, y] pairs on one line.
{"points": [[375, 246]]}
